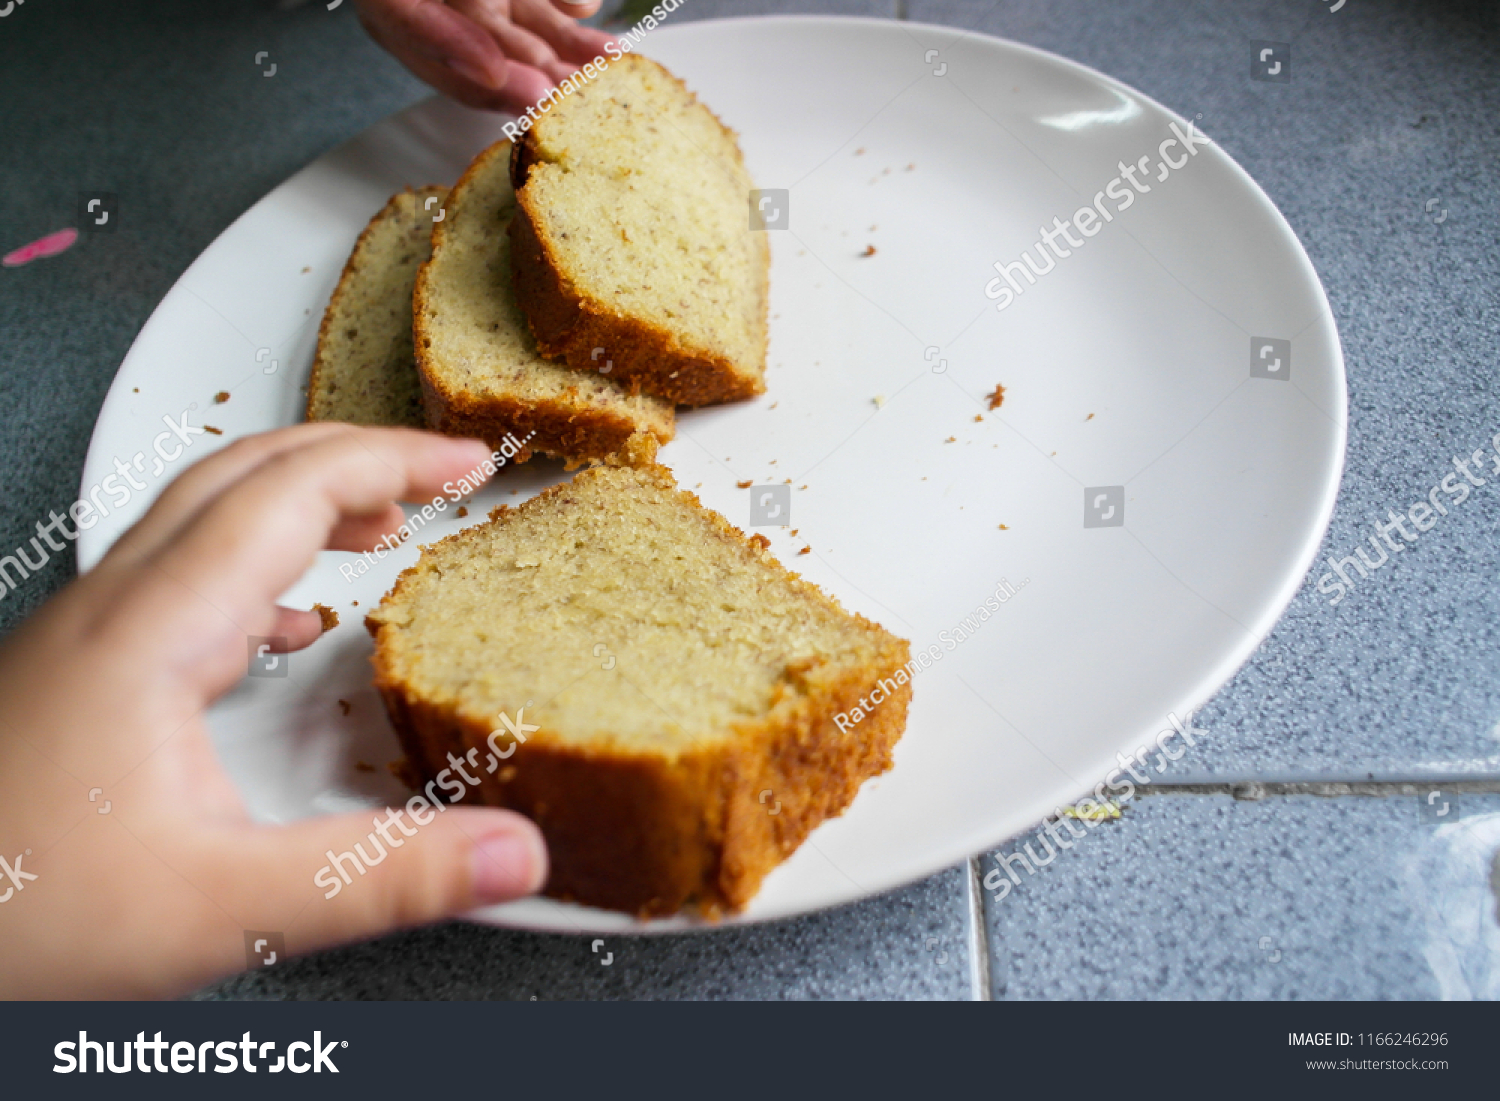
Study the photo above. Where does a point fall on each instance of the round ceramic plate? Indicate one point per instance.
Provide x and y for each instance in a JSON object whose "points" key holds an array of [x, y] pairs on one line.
{"points": [[1151, 491]]}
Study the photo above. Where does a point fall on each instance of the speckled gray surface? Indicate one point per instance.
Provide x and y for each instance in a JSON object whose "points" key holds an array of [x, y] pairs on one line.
{"points": [[912, 943], [1298, 897], [1392, 107]]}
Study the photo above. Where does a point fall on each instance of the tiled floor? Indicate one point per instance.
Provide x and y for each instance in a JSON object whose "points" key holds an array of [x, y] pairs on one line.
{"points": [[1193, 893]]}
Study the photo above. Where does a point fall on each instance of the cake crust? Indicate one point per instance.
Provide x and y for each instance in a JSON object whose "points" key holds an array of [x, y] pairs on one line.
{"points": [[643, 355]]}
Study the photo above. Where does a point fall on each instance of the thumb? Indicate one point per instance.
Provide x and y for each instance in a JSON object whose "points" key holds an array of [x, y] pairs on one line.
{"points": [[355, 876]]}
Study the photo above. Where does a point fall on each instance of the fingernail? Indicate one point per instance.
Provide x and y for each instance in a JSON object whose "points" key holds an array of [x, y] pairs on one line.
{"points": [[508, 865], [471, 72]]}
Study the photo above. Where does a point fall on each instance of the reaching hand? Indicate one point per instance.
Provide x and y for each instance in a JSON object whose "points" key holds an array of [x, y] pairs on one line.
{"points": [[106, 688], [498, 55]]}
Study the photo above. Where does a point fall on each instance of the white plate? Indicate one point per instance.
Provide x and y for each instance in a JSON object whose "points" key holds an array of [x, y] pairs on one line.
{"points": [[1128, 365]]}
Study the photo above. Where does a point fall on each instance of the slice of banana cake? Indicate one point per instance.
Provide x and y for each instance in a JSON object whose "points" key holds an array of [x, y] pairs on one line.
{"points": [[364, 371], [633, 244], [654, 689], [480, 370]]}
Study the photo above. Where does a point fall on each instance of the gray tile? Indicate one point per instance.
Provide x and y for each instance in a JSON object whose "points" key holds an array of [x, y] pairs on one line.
{"points": [[1288, 897], [1389, 108], [909, 944]]}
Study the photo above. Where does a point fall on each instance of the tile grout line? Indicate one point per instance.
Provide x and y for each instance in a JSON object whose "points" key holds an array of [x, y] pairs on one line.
{"points": [[979, 951], [1259, 789]]}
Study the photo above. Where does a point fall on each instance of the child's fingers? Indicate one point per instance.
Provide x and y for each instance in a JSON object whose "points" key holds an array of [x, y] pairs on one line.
{"points": [[255, 539], [558, 28], [300, 629], [434, 30], [406, 869], [577, 9], [518, 43], [205, 480], [362, 533]]}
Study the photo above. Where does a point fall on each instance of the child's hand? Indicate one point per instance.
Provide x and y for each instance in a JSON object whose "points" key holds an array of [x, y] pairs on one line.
{"points": [[498, 55], [106, 688]]}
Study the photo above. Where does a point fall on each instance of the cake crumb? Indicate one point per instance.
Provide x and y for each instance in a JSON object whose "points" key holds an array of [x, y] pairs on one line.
{"points": [[996, 396], [774, 404], [344, 707], [221, 397], [135, 389], [329, 617], [211, 428], [788, 481], [794, 531], [1089, 417], [462, 512], [1004, 527], [860, 152], [801, 487], [743, 485], [805, 550], [951, 439], [880, 400], [978, 417], [869, 251], [354, 603], [306, 270], [911, 168]]}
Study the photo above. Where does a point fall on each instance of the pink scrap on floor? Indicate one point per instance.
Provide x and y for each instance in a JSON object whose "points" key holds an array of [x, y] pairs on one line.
{"points": [[49, 245]]}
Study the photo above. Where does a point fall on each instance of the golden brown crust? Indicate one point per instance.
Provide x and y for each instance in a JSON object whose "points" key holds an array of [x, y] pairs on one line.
{"points": [[649, 834], [351, 265], [569, 327], [577, 432]]}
